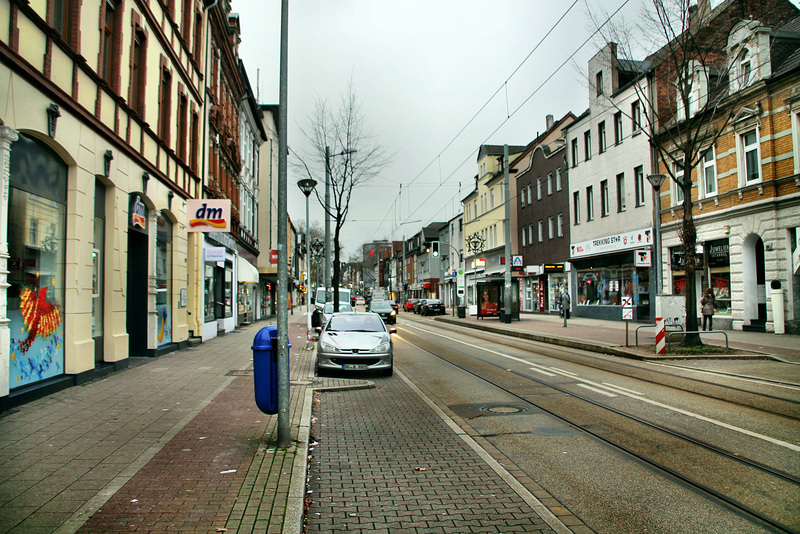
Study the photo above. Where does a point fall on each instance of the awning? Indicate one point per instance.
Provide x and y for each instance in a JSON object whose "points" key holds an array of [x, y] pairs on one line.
{"points": [[248, 274]]}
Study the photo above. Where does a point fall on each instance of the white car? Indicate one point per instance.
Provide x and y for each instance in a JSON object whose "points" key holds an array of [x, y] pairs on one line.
{"points": [[355, 341]]}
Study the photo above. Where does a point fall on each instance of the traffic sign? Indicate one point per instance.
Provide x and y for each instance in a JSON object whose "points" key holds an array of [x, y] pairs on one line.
{"points": [[627, 314], [516, 260], [627, 302]]}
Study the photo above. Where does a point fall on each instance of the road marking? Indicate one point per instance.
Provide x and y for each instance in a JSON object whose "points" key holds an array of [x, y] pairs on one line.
{"points": [[541, 371], [600, 391], [687, 413], [620, 388], [732, 377], [563, 372]]}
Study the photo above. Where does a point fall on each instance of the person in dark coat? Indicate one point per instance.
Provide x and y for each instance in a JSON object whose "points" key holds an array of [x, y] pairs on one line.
{"points": [[707, 302]]}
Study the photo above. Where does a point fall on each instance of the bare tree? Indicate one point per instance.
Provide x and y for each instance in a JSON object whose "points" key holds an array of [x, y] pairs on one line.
{"points": [[690, 90], [341, 131]]}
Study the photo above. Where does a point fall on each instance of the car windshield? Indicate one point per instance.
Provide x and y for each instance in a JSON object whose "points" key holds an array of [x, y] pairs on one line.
{"points": [[381, 306], [343, 307], [361, 322]]}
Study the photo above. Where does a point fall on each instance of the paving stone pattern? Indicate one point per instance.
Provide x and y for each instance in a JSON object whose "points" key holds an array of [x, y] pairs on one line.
{"points": [[386, 463]]}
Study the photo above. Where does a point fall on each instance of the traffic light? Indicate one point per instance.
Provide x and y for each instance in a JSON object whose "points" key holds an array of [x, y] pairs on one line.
{"points": [[435, 249]]}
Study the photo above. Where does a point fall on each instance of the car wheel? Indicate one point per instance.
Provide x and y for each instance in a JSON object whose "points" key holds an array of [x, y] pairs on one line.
{"points": [[389, 371]]}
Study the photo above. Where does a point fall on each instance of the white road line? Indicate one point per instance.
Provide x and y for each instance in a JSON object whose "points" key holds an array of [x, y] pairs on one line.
{"points": [[541, 371], [732, 377], [600, 391], [699, 417], [563, 372], [620, 388]]}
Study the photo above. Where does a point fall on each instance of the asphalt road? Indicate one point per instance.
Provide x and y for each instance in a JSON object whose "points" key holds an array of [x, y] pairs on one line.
{"points": [[625, 446]]}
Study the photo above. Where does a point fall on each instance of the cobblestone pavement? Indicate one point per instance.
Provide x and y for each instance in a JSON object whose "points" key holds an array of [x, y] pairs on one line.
{"points": [[385, 462]]}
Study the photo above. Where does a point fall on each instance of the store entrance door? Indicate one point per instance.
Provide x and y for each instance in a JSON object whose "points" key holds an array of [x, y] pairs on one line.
{"points": [[137, 294]]}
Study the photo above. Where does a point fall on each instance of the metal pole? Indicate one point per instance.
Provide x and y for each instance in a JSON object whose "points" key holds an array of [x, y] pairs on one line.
{"points": [[327, 221], [506, 317], [308, 279], [403, 271], [657, 240], [283, 275]]}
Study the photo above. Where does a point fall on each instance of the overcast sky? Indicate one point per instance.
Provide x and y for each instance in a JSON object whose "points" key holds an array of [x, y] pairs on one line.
{"points": [[422, 69]]}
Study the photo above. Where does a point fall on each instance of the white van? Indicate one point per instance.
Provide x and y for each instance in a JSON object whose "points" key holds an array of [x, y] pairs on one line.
{"points": [[320, 296]]}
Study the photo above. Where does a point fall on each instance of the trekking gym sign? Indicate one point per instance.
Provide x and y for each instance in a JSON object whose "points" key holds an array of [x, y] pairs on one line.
{"points": [[208, 215]]}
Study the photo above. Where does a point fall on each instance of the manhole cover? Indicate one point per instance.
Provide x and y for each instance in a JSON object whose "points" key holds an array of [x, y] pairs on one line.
{"points": [[503, 409]]}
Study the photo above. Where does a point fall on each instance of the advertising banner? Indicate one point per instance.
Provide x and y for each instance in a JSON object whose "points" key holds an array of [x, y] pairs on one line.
{"points": [[208, 215]]}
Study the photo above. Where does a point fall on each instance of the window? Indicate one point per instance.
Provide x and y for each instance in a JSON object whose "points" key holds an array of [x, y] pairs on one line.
{"points": [[576, 206], [541, 230], [186, 31], [193, 140], [598, 83], [575, 152], [587, 144], [550, 183], [530, 198], [560, 224], [34, 232], [539, 188], [164, 104], [601, 137], [522, 235], [677, 187], [621, 192], [638, 178], [530, 234], [558, 179], [491, 197], [744, 66], [590, 203], [636, 116], [604, 198], [138, 70], [751, 160], [183, 126], [617, 127], [551, 227], [710, 173], [109, 52], [63, 19], [198, 37], [522, 198]]}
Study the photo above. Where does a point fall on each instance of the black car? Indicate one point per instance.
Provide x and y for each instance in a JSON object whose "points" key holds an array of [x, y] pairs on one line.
{"points": [[385, 310], [418, 305], [432, 307]]}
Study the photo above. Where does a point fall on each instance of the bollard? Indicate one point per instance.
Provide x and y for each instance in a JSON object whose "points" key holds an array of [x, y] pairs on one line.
{"points": [[661, 342]]}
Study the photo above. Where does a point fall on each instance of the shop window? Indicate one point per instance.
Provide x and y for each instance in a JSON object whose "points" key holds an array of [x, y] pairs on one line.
{"points": [[605, 283], [36, 263], [164, 279], [210, 293]]}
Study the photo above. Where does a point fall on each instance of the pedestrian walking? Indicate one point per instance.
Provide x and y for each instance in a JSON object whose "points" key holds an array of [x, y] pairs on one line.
{"points": [[565, 303], [707, 302]]}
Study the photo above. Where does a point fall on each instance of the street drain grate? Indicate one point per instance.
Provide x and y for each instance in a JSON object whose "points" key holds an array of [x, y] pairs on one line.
{"points": [[239, 372]]}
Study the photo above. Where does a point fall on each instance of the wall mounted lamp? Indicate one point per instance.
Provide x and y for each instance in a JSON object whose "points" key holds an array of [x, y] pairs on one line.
{"points": [[107, 157], [53, 114], [145, 179]]}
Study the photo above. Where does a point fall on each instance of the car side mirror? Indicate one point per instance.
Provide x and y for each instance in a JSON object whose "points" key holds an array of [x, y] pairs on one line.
{"points": [[318, 330], [393, 330]]}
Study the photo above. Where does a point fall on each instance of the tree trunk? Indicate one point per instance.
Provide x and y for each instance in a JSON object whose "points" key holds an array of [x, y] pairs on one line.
{"points": [[337, 270], [688, 237]]}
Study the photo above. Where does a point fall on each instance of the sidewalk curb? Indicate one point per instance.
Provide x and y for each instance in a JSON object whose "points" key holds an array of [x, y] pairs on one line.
{"points": [[612, 350]]}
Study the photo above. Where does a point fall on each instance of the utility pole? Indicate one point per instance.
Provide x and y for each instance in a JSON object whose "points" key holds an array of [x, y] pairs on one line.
{"points": [[327, 222], [283, 276], [506, 316]]}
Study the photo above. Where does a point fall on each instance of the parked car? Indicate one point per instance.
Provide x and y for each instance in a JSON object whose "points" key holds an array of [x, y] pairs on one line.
{"points": [[409, 305], [327, 311], [432, 307], [360, 301], [385, 310], [355, 341], [418, 305]]}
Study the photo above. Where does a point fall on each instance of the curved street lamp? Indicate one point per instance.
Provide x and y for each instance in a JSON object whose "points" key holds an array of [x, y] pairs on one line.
{"points": [[307, 185]]}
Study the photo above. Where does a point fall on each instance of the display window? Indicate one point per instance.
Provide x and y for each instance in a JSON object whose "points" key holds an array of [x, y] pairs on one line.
{"points": [[164, 279], [209, 293], [37, 211], [605, 281]]}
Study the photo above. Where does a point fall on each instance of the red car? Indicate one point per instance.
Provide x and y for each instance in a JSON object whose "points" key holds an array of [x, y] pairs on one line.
{"points": [[409, 305]]}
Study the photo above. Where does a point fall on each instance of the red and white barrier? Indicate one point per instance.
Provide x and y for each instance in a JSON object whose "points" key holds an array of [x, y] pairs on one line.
{"points": [[661, 336]]}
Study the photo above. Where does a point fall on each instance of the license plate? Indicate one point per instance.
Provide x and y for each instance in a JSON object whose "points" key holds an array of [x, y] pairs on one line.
{"points": [[354, 367]]}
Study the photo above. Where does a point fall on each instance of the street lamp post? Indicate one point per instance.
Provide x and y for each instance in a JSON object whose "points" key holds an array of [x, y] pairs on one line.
{"points": [[307, 186], [656, 180]]}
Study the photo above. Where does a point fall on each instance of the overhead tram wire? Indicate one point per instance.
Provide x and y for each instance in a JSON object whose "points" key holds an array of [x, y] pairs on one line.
{"points": [[504, 121]]}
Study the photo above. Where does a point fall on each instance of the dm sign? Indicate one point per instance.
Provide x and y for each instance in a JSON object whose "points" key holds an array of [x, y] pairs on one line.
{"points": [[207, 215]]}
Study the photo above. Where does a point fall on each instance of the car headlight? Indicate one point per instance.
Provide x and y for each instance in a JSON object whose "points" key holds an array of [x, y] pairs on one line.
{"points": [[327, 347], [386, 346]]}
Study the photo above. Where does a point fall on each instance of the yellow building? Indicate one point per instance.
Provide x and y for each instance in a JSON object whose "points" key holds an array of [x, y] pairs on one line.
{"points": [[101, 118]]}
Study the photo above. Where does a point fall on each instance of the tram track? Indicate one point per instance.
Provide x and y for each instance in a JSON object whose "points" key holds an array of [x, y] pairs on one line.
{"points": [[737, 489]]}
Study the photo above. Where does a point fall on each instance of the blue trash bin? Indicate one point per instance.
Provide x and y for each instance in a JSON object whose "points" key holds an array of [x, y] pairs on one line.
{"points": [[265, 369]]}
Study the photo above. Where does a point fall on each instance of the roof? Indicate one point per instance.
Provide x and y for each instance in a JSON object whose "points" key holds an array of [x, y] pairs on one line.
{"points": [[785, 54], [497, 150]]}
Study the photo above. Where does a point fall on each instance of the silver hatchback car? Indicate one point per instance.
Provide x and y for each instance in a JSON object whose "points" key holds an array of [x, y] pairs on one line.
{"points": [[355, 341]]}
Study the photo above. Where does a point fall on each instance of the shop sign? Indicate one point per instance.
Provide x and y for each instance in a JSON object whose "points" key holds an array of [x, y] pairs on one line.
{"points": [[516, 260], [138, 213], [553, 268], [642, 258], [718, 253], [612, 243], [273, 257], [214, 254], [208, 215]]}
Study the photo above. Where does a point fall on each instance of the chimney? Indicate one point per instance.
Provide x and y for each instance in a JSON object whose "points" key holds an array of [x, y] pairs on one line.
{"points": [[550, 122]]}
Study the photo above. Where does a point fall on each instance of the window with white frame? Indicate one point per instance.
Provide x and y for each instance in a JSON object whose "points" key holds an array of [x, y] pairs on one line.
{"points": [[522, 198], [560, 224], [530, 234], [575, 152], [677, 188], [590, 203], [551, 227], [749, 157], [530, 197], [587, 145], [710, 173], [539, 188], [638, 178], [617, 127], [522, 236], [576, 206], [636, 116], [604, 198], [550, 183], [541, 230], [601, 137], [491, 196], [621, 192], [558, 179], [796, 138]]}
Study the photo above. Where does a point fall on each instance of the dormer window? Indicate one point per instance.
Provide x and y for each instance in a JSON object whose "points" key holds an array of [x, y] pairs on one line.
{"points": [[744, 69], [697, 92], [748, 54]]}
